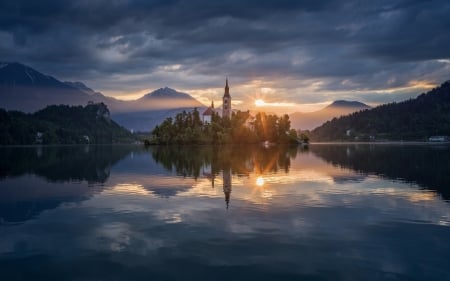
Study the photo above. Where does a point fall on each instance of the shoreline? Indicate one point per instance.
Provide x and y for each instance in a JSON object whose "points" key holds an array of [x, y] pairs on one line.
{"points": [[383, 143]]}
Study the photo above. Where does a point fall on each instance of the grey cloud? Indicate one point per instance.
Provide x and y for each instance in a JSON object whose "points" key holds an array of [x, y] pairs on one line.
{"points": [[363, 42]]}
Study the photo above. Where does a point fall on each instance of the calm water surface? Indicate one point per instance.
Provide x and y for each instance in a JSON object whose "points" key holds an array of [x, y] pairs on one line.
{"points": [[330, 212]]}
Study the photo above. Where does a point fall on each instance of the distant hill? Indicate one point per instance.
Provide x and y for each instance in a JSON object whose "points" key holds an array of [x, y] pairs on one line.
{"points": [[310, 120], [62, 124], [414, 119], [25, 89], [153, 108]]}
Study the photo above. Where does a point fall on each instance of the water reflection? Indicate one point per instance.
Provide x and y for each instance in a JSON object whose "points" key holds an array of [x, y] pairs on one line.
{"points": [[427, 166], [241, 160], [34, 179], [216, 213], [61, 164], [222, 163]]}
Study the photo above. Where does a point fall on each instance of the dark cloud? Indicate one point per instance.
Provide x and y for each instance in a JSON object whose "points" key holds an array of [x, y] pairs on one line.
{"points": [[347, 43]]}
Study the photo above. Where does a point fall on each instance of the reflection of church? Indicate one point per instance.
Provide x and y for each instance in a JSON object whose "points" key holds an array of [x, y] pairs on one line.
{"points": [[226, 178], [227, 185]]}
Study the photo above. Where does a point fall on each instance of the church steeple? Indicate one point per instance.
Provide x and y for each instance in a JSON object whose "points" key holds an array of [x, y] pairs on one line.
{"points": [[226, 108], [227, 89]]}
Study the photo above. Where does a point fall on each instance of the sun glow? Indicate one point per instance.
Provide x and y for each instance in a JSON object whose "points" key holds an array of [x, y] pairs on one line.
{"points": [[259, 102], [260, 181]]}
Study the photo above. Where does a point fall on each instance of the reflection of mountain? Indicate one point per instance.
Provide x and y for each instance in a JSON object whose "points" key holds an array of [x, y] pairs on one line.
{"points": [[29, 176], [167, 191], [428, 166]]}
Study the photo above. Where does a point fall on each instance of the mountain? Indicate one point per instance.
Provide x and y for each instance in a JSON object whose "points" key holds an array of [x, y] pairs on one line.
{"points": [[153, 108], [80, 86], [414, 119], [165, 98], [25, 89], [310, 120]]}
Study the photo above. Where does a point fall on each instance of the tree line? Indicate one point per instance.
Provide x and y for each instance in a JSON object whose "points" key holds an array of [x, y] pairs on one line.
{"points": [[188, 128], [414, 119]]}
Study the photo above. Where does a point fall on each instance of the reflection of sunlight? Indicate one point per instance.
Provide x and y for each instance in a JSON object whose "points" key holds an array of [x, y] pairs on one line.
{"points": [[413, 196], [298, 176], [169, 216], [260, 181], [267, 194], [127, 188], [116, 236], [204, 187]]}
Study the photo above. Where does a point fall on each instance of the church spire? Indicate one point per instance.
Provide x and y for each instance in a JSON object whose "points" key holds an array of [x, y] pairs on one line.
{"points": [[227, 89], [226, 106]]}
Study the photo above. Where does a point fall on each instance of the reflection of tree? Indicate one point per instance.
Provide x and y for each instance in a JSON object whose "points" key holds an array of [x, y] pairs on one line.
{"points": [[428, 166], [188, 161], [191, 161], [55, 164], [66, 163]]}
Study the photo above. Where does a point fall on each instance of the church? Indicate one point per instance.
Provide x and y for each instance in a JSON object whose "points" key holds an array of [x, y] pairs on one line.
{"points": [[226, 106]]}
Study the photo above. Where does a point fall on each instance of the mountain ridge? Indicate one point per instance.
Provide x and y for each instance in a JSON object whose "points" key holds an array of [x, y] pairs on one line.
{"points": [[26, 89], [414, 119], [310, 120]]}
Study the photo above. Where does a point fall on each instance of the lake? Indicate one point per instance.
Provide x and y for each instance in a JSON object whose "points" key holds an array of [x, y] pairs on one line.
{"points": [[327, 212]]}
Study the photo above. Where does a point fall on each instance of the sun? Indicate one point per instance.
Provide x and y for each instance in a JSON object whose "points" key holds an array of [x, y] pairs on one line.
{"points": [[259, 102]]}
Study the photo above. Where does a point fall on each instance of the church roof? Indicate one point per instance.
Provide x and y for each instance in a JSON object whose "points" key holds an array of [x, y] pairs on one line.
{"points": [[208, 111]]}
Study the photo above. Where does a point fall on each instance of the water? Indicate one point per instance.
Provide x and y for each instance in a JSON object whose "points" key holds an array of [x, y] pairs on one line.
{"points": [[330, 212]]}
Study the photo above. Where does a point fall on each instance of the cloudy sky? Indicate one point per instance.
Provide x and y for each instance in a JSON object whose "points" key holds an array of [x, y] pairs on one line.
{"points": [[296, 55]]}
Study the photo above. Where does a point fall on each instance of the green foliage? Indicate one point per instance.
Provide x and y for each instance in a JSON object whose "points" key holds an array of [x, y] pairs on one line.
{"points": [[187, 128], [414, 119], [62, 124]]}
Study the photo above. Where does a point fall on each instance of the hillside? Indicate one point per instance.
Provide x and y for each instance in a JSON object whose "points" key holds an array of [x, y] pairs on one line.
{"points": [[26, 89], [414, 119], [62, 124], [310, 120]]}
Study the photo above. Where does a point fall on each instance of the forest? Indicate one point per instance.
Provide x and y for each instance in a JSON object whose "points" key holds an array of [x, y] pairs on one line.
{"points": [[62, 124], [414, 119]]}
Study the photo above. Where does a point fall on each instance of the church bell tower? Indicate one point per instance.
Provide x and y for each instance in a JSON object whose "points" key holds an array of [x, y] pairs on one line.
{"points": [[226, 106]]}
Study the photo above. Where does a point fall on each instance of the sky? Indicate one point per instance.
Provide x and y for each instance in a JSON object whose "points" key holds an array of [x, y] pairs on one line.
{"points": [[293, 55]]}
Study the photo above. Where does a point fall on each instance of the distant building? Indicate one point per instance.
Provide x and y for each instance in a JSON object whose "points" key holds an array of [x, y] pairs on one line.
{"points": [[208, 113], [438, 138], [226, 106]]}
